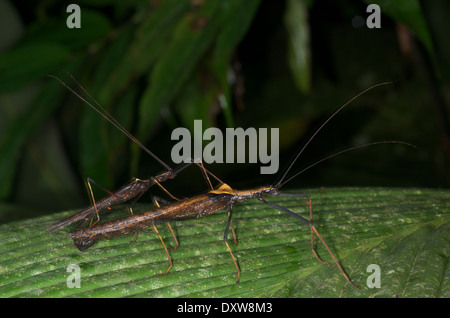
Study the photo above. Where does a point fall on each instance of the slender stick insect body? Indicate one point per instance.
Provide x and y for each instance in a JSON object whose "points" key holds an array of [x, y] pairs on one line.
{"points": [[132, 190], [223, 197]]}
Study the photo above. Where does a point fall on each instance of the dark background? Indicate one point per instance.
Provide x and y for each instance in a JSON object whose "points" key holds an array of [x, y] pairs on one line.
{"points": [[51, 141]]}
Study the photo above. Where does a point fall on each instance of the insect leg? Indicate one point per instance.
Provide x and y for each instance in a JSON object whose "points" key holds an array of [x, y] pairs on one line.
{"points": [[156, 201], [92, 199], [307, 197], [232, 229], [164, 189], [313, 228], [205, 174], [130, 209], [167, 252], [225, 239], [160, 200]]}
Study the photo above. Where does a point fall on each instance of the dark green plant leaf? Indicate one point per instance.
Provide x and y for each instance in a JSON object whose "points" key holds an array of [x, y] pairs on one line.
{"points": [[29, 62], [147, 42], [403, 231], [45, 177], [94, 27], [237, 19], [101, 3], [196, 98], [193, 35], [25, 125], [297, 25]]}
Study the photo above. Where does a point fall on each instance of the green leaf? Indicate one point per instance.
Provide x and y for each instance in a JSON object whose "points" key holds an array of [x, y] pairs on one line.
{"points": [[94, 27], [195, 100], [19, 129], [193, 35], [297, 24], [403, 231], [147, 42], [17, 68], [238, 15]]}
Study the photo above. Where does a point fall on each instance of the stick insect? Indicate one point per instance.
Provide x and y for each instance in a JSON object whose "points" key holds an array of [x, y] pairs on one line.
{"points": [[223, 197], [135, 189]]}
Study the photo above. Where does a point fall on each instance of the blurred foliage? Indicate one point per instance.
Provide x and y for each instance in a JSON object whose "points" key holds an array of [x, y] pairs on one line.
{"points": [[158, 65]]}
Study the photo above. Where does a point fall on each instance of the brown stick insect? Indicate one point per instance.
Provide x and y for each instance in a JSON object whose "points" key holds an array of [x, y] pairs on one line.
{"points": [[222, 198]]}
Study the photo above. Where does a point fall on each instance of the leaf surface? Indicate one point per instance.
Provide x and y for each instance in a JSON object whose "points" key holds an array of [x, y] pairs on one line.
{"points": [[403, 231]]}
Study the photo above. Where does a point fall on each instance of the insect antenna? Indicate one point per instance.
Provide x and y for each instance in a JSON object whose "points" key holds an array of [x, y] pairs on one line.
{"points": [[280, 184], [279, 181], [104, 113]]}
